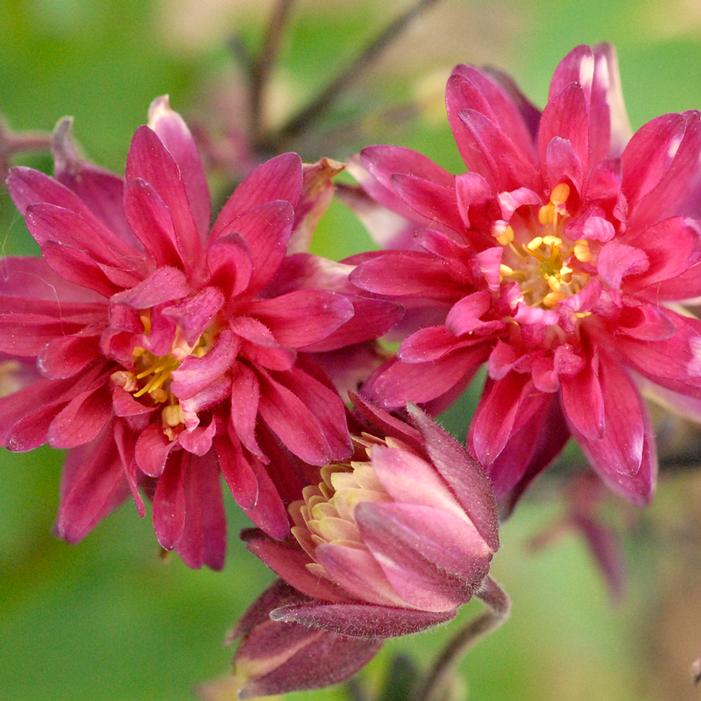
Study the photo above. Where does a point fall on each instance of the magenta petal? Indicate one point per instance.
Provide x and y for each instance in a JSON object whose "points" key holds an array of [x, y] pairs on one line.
{"points": [[67, 355], [566, 117], [465, 477], [429, 344], [434, 202], [360, 620], [289, 563], [293, 422], [237, 472], [464, 316], [169, 500], [245, 395], [301, 658], [495, 416], [125, 441], [489, 151], [562, 163], [81, 420], [408, 273], [266, 232], [150, 219], [194, 374], [325, 404], [268, 512], [194, 314], [163, 285], [101, 191], [203, 540], [198, 440], [624, 456], [259, 345], [152, 450], [471, 88], [77, 267], [303, 317], [230, 264], [149, 160], [92, 485], [176, 137], [618, 260], [280, 178], [672, 362], [27, 334], [583, 402], [398, 382]]}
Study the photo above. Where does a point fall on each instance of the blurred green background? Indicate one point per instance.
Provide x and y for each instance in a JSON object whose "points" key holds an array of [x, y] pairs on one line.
{"points": [[109, 620]]}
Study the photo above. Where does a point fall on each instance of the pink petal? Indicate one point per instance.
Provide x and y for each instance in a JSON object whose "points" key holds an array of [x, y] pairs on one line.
{"points": [[464, 475], [149, 160], [398, 383], [245, 395], [124, 439], [163, 285], [325, 405], [479, 140], [169, 500], [81, 420], [150, 219], [360, 620], [409, 273], [259, 345], [471, 88], [99, 189], [403, 558], [266, 232], [464, 316], [280, 178], [293, 423], [429, 344], [176, 137], [565, 116], [152, 450], [495, 417], [203, 540], [583, 401], [435, 203], [92, 485], [230, 264], [194, 374], [290, 563], [618, 260], [66, 356], [624, 456]]}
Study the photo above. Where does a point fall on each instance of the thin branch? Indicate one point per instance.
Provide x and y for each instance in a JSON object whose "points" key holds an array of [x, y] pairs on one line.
{"points": [[241, 53], [433, 685], [265, 61], [320, 104]]}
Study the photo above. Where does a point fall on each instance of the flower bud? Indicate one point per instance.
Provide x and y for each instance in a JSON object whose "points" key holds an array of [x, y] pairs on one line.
{"points": [[392, 541]]}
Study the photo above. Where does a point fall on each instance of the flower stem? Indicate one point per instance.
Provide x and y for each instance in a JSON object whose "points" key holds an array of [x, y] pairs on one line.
{"points": [[264, 62], [319, 105], [432, 687]]}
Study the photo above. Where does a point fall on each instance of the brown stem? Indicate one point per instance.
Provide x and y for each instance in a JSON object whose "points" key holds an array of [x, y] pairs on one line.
{"points": [[320, 104], [260, 70], [432, 686]]}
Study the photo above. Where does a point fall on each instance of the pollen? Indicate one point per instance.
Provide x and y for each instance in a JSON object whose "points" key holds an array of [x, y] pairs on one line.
{"points": [[539, 256]]}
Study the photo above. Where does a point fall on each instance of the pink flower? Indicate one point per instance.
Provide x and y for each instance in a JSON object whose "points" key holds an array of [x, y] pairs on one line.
{"points": [[171, 352], [390, 542], [555, 260]]}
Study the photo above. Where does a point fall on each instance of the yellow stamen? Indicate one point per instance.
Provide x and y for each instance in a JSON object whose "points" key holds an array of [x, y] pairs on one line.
{"points": [[582, 252], [560, 194], [553, 298], [546, 214], [172, 415], [504, 236]]}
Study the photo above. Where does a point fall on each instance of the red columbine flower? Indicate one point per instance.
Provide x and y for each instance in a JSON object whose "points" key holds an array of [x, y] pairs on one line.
{"points": [[556, 260], [169, 351], [388, 543]]}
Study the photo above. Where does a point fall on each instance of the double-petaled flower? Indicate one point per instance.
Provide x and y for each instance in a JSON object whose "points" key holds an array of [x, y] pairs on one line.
{"points": [[389, 542], [559, 259], [169, 351]]}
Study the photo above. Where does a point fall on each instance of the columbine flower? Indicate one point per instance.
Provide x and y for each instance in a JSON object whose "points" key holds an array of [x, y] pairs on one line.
{"points": [[388, 543], [169, 351], [555, 260]]}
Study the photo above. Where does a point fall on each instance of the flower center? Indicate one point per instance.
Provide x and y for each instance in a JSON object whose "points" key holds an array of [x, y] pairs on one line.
{"points": [[547, 267], [151, 376]]}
